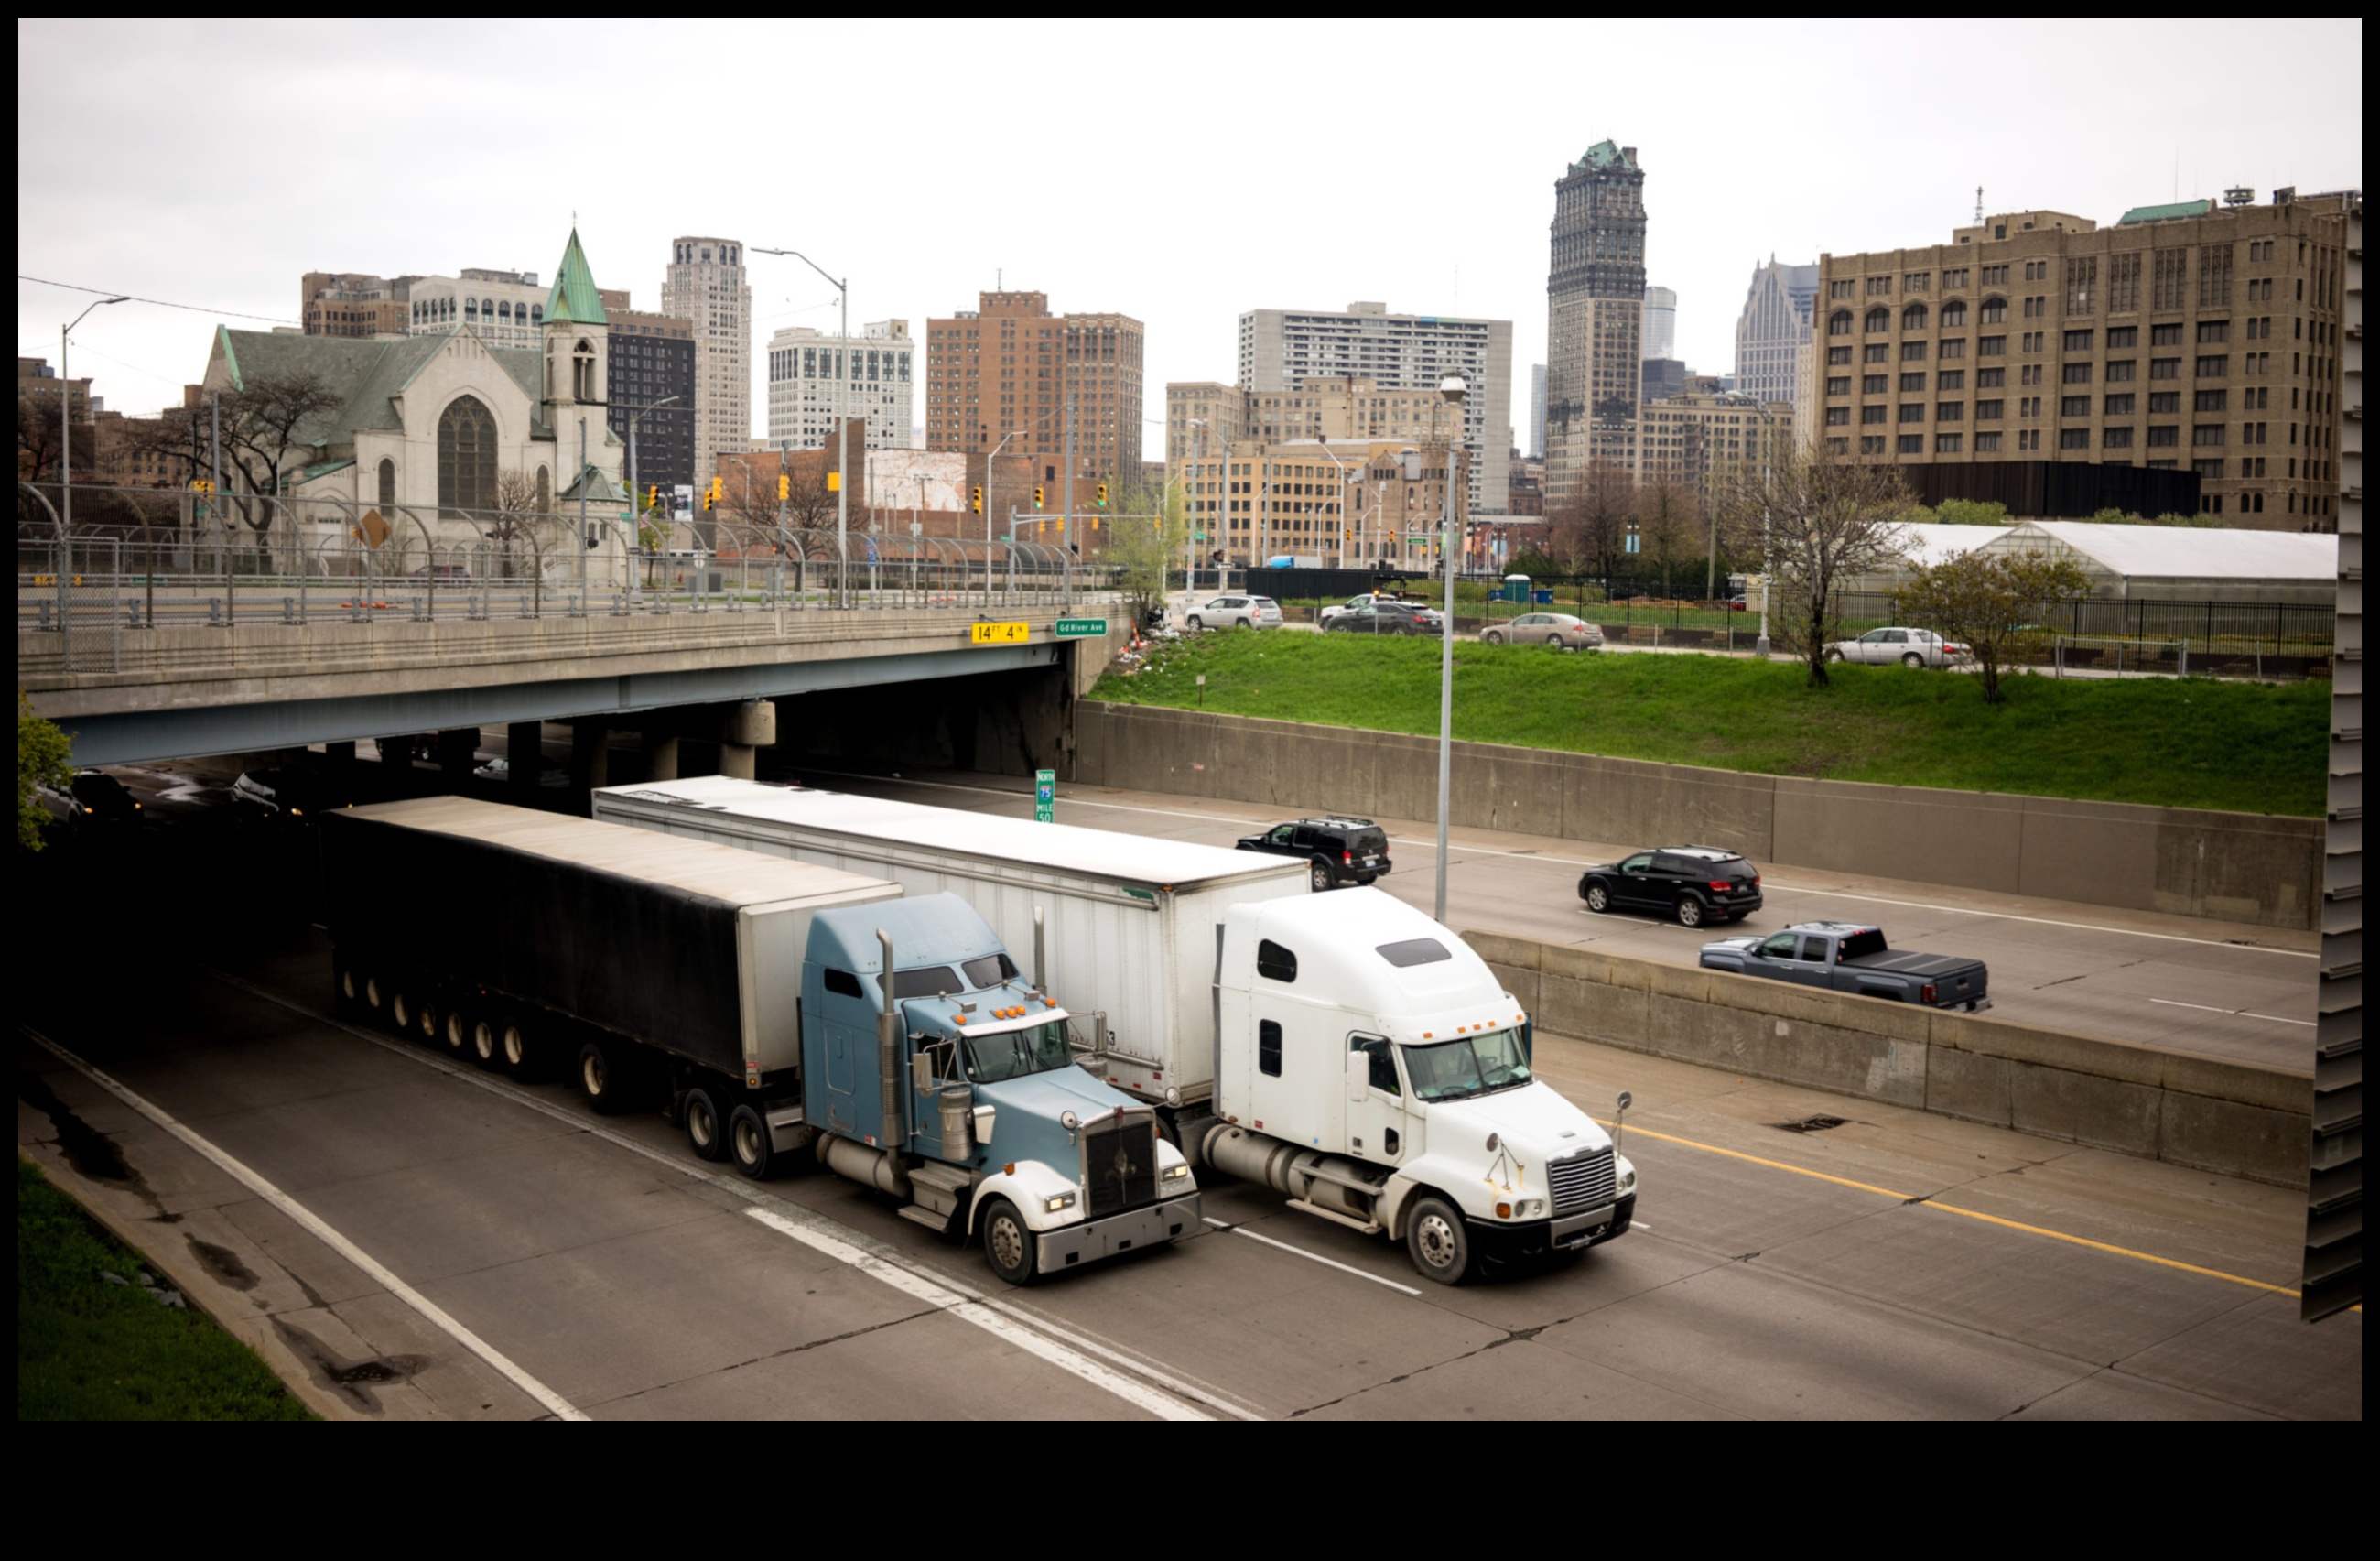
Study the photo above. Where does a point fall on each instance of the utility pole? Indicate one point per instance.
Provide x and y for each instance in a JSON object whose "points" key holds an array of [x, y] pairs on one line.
{"points": [[1452, 388], [1066, 531]]}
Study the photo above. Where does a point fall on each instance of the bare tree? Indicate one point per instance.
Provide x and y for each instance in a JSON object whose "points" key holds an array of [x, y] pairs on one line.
{"points": [[1589, 529], [1816, 522], [1668, 519], [38, 437], [519, 509], [1994, 603], [260, 420]]}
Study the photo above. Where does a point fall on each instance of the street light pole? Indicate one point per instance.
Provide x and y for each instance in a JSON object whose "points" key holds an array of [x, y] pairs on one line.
{"points": [[66, 426], [635, 415], [1452, 389], [842, 426]]}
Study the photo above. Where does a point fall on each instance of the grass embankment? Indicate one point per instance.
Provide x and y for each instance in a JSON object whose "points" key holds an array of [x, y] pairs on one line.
{"points": [[91, 1350], [2188, 743]]}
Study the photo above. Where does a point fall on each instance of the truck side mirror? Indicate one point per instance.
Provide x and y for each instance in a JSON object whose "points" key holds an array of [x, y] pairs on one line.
{"points": [[922, 1071], [1359, 1075]]}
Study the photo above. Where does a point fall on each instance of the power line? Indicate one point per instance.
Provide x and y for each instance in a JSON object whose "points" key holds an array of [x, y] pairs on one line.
{"points": [[161, 303]]}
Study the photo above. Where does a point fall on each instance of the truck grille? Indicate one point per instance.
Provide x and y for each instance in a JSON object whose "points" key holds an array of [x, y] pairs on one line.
{"points": [[1583, 1180], [1119, 1162]]}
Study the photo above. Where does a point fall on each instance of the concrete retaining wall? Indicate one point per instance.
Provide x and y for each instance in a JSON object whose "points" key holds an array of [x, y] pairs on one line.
{"points": [[2236, 867], [2213, 1116]]}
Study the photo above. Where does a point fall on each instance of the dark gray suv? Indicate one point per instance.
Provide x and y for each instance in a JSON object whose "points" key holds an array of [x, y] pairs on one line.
{"points": [[1697, 885], [1341, 850]]}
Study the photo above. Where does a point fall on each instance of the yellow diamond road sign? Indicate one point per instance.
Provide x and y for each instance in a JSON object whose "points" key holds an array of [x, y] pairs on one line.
{"points": [[999, 633]]}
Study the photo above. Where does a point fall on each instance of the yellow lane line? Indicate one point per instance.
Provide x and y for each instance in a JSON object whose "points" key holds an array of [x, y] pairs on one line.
{"points": [[1970, 1214]]}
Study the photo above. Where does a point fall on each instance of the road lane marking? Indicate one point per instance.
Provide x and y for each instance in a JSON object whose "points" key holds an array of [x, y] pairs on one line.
{"points": [[738, 1185], [1570, 862], [1907, 1199], [312, 1224], [951, 1303], [1310, 1256], [2236, 1013]]}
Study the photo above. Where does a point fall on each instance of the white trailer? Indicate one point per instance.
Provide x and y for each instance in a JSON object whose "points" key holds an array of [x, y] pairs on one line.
{"points": [[1127, 926]]}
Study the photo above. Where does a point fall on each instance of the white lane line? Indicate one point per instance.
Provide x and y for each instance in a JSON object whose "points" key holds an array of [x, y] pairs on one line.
{"points": [[1212, 1397], [909, 1282], [1571, 862], [829, 1229], [2236, 1013], [313, 1225], [1310, 1256]]}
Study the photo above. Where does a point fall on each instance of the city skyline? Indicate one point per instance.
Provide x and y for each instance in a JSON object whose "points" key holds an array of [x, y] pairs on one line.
{"points": [[94, 218]]}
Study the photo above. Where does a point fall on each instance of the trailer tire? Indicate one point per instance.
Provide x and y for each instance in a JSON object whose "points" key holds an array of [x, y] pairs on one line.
{"points": [[458, 1032], [705, 1133], [517, 1049], [487, 1048], [375, 996], [602, 1077], [427, 1023], [347, 987], [1436, 1240], [750, 1146], [401, 1007], [1008, 1243]]}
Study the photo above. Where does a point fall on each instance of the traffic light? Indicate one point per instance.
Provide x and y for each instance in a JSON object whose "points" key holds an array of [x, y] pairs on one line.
{"points": [[1036, 495], [1103, 495], [716, 494], [978, 498], [784, 487], [202, 485], [653, 496]]}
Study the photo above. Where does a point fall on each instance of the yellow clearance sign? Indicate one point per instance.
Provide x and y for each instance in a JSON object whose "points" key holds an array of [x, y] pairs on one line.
{"points": [[999, 633]]}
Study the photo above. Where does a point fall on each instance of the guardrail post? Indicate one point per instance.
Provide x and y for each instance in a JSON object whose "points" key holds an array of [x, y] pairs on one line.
{"points": [[214, 611]]}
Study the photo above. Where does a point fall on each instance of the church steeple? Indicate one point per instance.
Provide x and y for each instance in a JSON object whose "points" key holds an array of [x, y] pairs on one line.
{"points": [[577, 339], [573, 298]]}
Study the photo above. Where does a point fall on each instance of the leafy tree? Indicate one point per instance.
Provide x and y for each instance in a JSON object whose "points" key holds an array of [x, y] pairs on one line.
{"points": [[1144, 535], [1817, 522], [1970, 512], [1995, 603], [42, 759]]}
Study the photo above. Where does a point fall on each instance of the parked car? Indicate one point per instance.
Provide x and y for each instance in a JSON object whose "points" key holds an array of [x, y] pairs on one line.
{"points": [[91, 797], [1694, 884], [1849, 957], [501, 770], [443, 572], [279, 795], [1369, 597], [1232, 611], [1341, 850], [1385, 618], [1558, 629], [1909, 647]]}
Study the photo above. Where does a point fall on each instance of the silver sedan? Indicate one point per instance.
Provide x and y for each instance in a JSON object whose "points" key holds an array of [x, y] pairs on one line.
{"points": [[1558, 630], [1909, 647]]}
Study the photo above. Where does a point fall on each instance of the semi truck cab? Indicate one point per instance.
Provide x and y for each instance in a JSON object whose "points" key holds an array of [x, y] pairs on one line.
{"points": [[1370, 1064], [958, 1090]]}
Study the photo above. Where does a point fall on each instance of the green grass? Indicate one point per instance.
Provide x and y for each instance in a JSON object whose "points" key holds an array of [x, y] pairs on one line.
{"points": [[2193, 743], [90, 1350]]}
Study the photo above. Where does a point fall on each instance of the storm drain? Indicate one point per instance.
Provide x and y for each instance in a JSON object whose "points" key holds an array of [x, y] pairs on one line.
{"points": [[1810, 1124]]}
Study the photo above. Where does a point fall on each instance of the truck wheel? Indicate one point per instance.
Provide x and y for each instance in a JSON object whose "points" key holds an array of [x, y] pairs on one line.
{"points": [[426, 1022], [1008, 1243], [523, 1058], [603, 1077], [1689, 911], [1435, 1237], [458, 1032], [1322, 876], [705, 1134], [487, 1046], [1598, 899], [750, 1145], [347, 987], [402, 1010], [1914, 660], [375, 996]]}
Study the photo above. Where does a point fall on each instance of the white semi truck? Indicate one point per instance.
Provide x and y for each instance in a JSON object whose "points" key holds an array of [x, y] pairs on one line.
{"points": [[1343, 1049]]}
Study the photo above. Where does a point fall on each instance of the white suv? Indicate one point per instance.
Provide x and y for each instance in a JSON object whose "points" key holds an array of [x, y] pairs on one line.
{"points": [[1232, 611], [1909, 647]]}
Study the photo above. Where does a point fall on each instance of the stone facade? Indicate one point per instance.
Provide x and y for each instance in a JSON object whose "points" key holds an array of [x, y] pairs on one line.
{"points": [[1594, 290]]}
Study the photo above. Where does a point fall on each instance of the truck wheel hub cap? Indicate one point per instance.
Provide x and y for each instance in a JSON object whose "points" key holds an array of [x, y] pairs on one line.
{"points": [[1007, 1242], [1437, 1241]]}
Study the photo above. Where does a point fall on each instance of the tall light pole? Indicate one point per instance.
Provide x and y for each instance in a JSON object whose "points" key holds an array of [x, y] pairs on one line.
{"points": [[841, 425], [1452, 389], [66, 426], [1190, 527], [1342, 527], [635, 415], [991, 506]]}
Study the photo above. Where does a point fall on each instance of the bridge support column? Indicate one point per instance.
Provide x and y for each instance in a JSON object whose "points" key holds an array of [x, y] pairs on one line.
{"points": [[589, 755], [457, 747], [522, 754], [744, 730], [339, 753], [661, 755]]}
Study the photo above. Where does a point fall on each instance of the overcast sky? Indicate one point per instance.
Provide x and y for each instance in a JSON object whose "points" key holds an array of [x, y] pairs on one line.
{"points": [[1180, 172]]}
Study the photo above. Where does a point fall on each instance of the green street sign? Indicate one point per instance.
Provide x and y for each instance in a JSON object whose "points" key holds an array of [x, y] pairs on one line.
{"points": [[1082, 628], [625, 515], [1197, 536], [1045, 795]]}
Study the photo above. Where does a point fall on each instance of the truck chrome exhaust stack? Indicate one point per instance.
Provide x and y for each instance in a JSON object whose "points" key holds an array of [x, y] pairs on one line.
{"points": [[895, 1128], [1041, 953]]}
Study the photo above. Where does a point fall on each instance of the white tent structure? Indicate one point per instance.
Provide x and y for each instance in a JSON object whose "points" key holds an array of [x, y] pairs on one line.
{"points": [[2182, 563]]}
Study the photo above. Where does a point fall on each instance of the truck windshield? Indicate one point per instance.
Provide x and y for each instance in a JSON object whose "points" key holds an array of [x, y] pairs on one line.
{"points": [[1476, 1064], [1039, 1048]]}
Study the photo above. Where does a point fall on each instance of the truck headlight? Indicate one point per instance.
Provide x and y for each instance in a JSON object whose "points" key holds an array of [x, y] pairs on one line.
{"points": [[1627, 1176], [1529, 1209], [1178, 1173], [1063, 1200]]}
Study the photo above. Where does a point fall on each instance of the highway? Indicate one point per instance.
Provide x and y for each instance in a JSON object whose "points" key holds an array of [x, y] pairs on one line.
{"points": [[2217, 988], [433, 1241]]}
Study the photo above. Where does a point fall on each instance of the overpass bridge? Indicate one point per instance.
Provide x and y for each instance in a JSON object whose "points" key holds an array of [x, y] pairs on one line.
{"points": [[140, 670]]}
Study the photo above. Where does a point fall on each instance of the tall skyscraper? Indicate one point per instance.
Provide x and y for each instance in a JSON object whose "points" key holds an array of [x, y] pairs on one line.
{"points": [[1660, 322], [706, 284], [1594, 340], [652, 379], [1002, 373], [1772, 341], [1536, 411], [805, 400], [1283, 349]]}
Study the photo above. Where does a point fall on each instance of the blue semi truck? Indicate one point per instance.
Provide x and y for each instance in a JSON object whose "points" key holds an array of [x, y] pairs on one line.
{"points": [[751, 994]]}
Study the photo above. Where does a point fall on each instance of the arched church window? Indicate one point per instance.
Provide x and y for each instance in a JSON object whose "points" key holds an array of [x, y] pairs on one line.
{"points": [[466, 456], [387, 486], [471, 308], [544, 491], [582, 372]]}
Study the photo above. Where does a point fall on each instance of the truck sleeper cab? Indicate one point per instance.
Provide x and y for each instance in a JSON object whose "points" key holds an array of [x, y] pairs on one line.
{"points": [[1370, 1065], [959, 1092]]}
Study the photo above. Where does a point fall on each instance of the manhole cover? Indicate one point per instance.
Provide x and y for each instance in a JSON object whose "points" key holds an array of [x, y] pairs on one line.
{"points": [[1810, 1124]]}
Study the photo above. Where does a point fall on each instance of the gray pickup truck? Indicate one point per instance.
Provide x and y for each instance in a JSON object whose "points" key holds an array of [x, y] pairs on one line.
{"points": [[1849, 957]]}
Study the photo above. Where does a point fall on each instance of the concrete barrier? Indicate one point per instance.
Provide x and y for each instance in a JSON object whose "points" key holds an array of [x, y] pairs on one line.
{"points": [[2254, 868], [2200, 1112]]}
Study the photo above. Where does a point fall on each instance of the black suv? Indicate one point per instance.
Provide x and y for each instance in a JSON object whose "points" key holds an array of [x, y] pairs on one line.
{"points": [[1697, 885], [1380, 617], [1343, 850]]}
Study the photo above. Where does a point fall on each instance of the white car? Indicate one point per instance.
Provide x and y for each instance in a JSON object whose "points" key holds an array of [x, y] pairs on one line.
{"points": [[1233, 611], [1909, 647]]}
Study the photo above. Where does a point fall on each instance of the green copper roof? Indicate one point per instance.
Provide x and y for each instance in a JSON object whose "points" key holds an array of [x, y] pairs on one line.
{"points": [[2166, 212], [1605, 155], [575, 298]]}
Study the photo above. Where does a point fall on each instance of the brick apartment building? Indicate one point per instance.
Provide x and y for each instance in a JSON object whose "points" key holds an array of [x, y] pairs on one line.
{"points": [[1008, 367]]}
